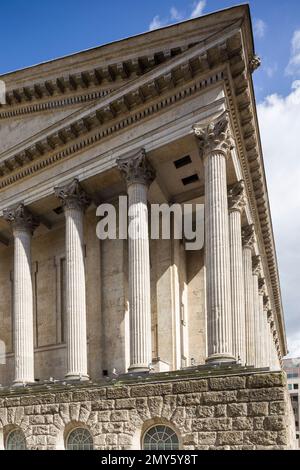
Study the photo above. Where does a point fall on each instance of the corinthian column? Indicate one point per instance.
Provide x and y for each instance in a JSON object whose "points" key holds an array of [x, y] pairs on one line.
{"points": [[23, 224], [248, 242], [265, 328], [75, 201], [138, 174], [215, 144], [236, 202], [256, 266]]}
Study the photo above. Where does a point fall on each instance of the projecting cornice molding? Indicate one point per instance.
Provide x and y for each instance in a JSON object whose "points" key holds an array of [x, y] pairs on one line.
{"points": [[48, 94]]}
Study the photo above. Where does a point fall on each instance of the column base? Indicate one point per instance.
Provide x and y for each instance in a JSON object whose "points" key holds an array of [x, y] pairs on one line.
{"points": [[77, 377], [223, 358], [138, 368], [19, 383]]}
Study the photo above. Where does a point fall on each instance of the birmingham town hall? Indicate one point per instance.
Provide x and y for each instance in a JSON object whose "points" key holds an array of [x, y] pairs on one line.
{"points": [[139, 343]]}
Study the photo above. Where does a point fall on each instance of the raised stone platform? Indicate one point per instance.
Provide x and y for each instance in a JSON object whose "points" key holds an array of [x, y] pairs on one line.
{"points": [[209, 408]]}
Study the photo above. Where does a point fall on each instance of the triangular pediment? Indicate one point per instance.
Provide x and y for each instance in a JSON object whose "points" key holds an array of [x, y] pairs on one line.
{"points": [[90, 75]]}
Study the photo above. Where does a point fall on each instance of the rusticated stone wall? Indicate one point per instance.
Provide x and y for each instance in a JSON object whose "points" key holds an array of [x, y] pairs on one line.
{"points": [[208, 411]]}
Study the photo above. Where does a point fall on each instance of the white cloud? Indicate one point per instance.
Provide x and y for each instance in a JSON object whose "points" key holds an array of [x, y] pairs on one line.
{"points": [[198, 8], [271, 70], [293, 67], [280, 131], [175, 15], [259, 28], [155, 23]]}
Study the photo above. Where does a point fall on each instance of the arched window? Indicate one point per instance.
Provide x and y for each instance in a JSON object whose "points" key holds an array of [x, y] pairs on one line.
{"points": [[16, 440], [160, 437], [79, 439]]}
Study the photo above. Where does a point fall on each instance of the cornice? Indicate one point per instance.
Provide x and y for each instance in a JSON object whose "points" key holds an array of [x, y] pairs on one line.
{"points": [[51, 104], [66, 89], [194, 62], [107, 131], [242, 105]]}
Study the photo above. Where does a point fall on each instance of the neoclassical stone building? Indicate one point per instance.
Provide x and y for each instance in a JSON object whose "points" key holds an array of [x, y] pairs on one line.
{"points": [[139, 343]]}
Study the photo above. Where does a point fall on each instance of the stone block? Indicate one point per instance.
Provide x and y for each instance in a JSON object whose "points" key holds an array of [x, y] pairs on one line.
{"points": [[155, 405], [211, 398], [220, 411], [264, 438], [119, 415], [103, 405], [263, 394], [258, 409], [125, 403], [242, 423], [236, 409], [207, 438], [277, 408], [191, 387], [189, 399], [103, 416], [204, 411], [275, 423], [118, 392], [267, 380], [231, 438], [227, 383], [212, 424], [151, 390]]}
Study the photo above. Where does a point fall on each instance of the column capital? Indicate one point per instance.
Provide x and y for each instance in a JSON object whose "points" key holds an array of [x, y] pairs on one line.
{"points": [[136, 168], [248, 236], [21, 218], [266, 302], [256, 265], [270, 316], [72, 196], [261, 286], [236, 197], [215, 137]]}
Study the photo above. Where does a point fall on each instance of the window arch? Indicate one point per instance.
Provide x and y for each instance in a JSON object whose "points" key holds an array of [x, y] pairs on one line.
{"points": [[79, 439], [16, 440], [160, 437]]}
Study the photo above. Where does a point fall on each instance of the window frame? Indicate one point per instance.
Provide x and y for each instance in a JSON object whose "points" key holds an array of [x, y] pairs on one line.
{"points": [[174, 446], [10, 433], [73, 430]]}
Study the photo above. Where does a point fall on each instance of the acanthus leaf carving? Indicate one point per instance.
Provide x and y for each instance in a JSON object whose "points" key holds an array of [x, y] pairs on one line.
{"points": [[236, 196], [215, 137], [136, 168], [72, 196], [21, 218]]}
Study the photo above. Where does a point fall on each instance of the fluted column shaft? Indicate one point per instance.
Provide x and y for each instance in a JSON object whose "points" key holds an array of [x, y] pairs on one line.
{"points": [[217, 259], [139, 280], [236, 204], [75, 295], [215, 143], [74, 203], [256, 320], [261, 327], [23, 307], [248, 240], [138, 174], [23, 225]]}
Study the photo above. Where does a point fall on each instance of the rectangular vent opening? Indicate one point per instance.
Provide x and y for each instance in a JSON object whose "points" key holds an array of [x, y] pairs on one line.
{"points": [[182, 161], [190, 179]]}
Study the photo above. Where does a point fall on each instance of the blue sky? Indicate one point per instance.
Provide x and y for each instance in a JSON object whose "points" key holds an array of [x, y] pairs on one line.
{"points": [[34, 31], [38, 30]]}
